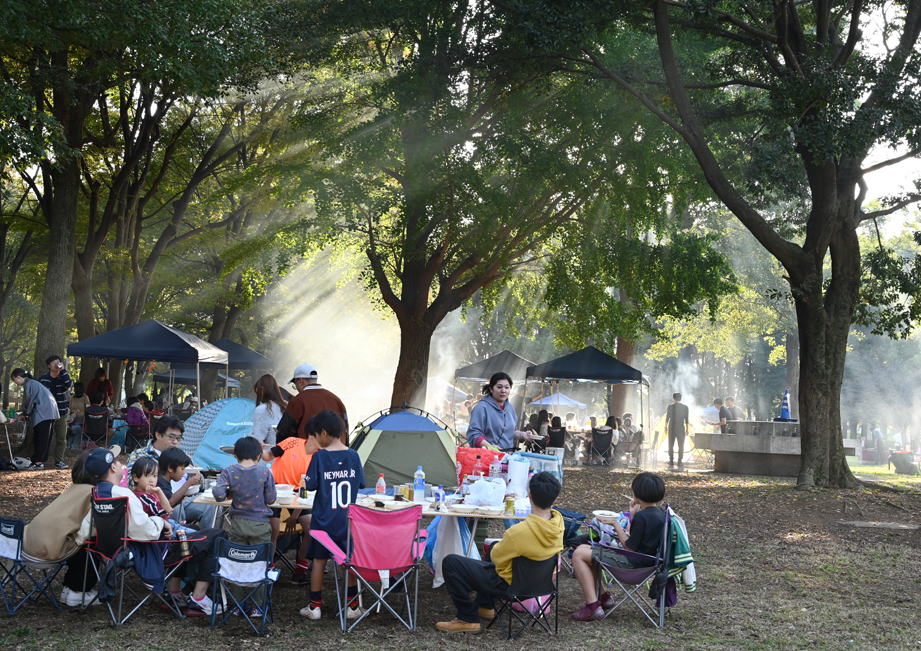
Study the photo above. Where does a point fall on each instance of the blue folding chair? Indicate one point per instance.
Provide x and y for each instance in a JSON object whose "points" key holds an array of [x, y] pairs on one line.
{"points": [[246, 567], [29, 577]]}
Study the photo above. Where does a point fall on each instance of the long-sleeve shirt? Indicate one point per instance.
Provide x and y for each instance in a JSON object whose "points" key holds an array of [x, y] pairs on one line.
{"points": [[534, 538], [252, 489], [60, 389], [493, 423], [140, 525], [38, 402], [265, 420]]}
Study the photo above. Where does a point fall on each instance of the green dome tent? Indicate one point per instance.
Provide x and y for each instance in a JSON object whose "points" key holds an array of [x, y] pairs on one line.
{"points": [[394, 443]]}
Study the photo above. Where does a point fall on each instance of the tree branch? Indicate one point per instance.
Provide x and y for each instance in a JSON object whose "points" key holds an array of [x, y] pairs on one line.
{"points": [[892, 161]]}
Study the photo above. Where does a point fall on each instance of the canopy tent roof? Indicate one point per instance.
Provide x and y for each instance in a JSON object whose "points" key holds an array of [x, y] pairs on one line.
{"points": [[586, 364], [506, 361], [185, 375], [149, 340], [445, 390], [242, 357], [557, 399]]}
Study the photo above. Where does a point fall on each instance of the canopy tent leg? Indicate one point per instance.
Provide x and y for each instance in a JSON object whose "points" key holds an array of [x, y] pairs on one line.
{"points": [[197, 405], [227, 378]]}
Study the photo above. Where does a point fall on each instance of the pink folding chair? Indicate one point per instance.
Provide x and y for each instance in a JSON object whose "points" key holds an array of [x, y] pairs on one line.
{"points": [[384, 554]]}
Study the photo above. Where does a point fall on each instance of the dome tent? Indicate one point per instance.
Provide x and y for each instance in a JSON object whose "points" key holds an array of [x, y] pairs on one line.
{"points": [[394, 443], [219, 424]]}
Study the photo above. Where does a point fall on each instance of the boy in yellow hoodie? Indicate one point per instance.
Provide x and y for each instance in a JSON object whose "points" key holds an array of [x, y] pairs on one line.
{"points": [[538, 537]]}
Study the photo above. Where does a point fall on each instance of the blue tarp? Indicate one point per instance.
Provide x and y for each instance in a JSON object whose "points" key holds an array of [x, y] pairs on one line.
{"points": [[405, 421], [149, 341], [219, 424], [558, 399]]}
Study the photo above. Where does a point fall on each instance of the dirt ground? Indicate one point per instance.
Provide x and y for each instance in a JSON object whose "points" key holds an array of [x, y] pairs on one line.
{"points": [[776, 567]]}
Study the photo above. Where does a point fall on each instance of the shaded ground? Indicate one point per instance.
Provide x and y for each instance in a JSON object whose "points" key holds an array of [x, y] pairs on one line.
{"points": [[776, 570]]}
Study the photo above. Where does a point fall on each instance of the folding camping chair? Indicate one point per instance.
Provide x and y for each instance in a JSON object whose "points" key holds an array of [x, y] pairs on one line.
{"points": [[111, 550], [600, 445], [384, 547], [572, 523], [633, 447], [96, 424], [17, 574], [535, 586], [248, 567], [632, 580]]}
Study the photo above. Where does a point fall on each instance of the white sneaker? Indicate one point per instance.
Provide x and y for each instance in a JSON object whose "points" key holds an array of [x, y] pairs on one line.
{"points": [[206, 605], [77, 599], [353, 613], [311, 613]]}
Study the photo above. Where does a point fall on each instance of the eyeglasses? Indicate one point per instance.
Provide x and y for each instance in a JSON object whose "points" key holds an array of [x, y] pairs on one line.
{"points": [[173, 437]]}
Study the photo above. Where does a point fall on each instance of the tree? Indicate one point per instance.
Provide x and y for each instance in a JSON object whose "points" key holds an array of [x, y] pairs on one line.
{"points": [[807, 96]]}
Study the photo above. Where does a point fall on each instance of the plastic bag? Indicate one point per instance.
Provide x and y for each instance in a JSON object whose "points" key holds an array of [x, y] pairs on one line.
{"points": [[489, 491]]}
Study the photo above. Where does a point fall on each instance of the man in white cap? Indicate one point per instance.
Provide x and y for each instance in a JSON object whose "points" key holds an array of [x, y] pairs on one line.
{"points": [[311, 399]]}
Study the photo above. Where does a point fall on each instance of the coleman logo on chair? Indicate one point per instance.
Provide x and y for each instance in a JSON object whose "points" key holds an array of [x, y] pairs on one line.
{"points": [[7, 530], [241, 555]]}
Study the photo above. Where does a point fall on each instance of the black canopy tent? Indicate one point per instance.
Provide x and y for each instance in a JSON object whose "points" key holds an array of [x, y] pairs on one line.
{"points": [[152, 341], [589, 365], [241, 357], [481, 371]]}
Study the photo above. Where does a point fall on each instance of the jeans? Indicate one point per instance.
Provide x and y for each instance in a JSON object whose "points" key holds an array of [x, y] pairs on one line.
{"points": [[672, 436], [464, 576]]}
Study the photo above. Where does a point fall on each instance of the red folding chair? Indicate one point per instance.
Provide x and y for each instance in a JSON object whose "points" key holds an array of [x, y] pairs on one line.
{"points": [[385, 553]]}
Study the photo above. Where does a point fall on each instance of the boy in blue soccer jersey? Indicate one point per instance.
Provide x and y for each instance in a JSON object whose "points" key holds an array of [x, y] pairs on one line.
{"points": [[335, 474]]}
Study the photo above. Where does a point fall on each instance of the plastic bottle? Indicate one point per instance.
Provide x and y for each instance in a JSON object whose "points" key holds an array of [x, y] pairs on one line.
{"points": [[419, 485], [183, 542], [478, 468], [440, 497], [381, 487], [495, 469]]}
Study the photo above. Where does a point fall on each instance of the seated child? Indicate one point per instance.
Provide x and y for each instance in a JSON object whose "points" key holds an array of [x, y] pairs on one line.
{"points": [[145, 475], [645, 537], [335, 473], [252, 488], [104, 471], [474, 585]]}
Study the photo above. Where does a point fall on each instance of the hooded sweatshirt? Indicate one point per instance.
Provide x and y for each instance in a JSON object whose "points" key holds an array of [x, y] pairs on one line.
{"points": [[494, 423], [534, 538], [39, 402]]}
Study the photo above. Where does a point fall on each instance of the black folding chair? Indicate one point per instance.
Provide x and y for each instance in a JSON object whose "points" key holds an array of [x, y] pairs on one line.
{"points": [[111, 550], [32, 578], [534, 588], [572, 537], [630, 581], [96, 424], [600, 445], [138, 436], [246, 567]]}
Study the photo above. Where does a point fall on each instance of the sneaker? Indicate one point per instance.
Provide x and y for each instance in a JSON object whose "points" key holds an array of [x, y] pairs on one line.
{"points": [[588, 612], [353, 613], [60, 465], [311, 613], [458, 626], [607, 601], [76, 599], [300, 577], [255, 613], [36, 466], [206, 605]]}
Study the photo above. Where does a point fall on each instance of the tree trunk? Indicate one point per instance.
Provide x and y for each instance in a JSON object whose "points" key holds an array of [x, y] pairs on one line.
{"points": [[83, 314], [52, 320], [823, 345], [622, 393], [413, 365]]}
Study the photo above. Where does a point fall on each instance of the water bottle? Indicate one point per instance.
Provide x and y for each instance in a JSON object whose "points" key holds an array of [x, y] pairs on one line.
{"points": [[440, 497], [419, 485], [381, 487], [478, 468], [495, 469]]}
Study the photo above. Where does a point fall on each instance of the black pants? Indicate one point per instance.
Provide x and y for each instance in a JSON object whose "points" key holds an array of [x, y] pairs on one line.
{"points": [[464, 576], [73, 576], [672, 436], [41, 441]]}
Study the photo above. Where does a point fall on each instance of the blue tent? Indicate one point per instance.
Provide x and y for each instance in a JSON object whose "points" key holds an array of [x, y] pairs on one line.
{"points": [[558, 399], [219, 424]]}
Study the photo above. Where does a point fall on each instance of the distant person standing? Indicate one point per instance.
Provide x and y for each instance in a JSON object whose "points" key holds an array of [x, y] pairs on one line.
{"points": [[42, 409], [310, 400], [102, 384], [269, 408], [677, 420], [735, 413], [59, 383], [723, 414]]}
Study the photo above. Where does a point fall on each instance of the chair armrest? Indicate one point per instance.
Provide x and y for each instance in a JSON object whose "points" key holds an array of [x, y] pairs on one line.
{"points": [[323, 538]]}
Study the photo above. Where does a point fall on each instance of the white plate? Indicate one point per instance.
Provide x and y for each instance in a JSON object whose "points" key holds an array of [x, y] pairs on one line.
{"points": [[462, 508], [397, 506], [491, 510], [281, 488], [380, 498], [304, 501], [603, 515]]}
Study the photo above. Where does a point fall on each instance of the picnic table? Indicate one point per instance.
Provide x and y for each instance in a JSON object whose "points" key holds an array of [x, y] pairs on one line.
{"points": [[205, 498]]}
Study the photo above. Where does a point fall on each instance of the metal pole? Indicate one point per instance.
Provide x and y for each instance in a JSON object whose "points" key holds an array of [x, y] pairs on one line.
{"points": [[197, 385], [172, 379], [227, 377]]}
